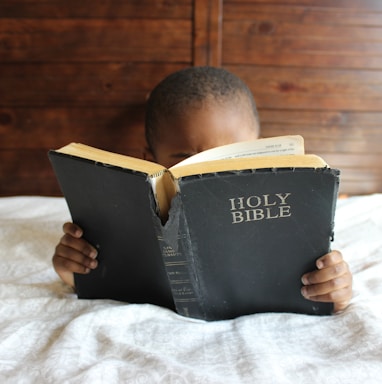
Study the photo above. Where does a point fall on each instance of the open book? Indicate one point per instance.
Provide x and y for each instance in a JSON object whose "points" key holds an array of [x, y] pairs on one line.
{"points": [[237, 156], [227, 232]]}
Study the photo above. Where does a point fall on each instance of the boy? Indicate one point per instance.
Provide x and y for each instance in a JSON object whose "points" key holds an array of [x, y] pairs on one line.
{"points": [[188, 112]]}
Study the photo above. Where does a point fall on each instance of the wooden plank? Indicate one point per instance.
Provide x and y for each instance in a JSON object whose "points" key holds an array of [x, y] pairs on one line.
{"points": [[306, 88], [207, 32], [304, 34], [315, 141], [302, 59], [364, 14], [338, 131], [356, 4], [344, 118], [97, 40], [163, 9], [296, 35], [26, 172], [359, 139], [32, 185], [271, 43], [79, 84], [354, 187], [272, 36], [353, 183], [353, 160], [114, 129]]}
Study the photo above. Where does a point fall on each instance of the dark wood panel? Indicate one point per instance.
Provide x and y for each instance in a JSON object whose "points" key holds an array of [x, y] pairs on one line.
{"points": [[114, 129], [296, 35], [29, 185], [316, 36], [332, 140], [81, 71], [241, 55], [291, 45], [344, 118], [32, 40], [338, 131], [79, 84], [349, 188], [356, 4], [26, 172], [354, 182], [354, 160], [168, 9], [304, 88], [364, 13], [267, 37]]}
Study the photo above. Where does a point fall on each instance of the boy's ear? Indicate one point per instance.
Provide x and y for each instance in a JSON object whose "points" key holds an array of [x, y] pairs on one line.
{"points": [[148, 154]]}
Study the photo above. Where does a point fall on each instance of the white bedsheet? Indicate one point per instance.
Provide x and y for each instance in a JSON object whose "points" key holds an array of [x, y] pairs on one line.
{"points": [[47, 335]]}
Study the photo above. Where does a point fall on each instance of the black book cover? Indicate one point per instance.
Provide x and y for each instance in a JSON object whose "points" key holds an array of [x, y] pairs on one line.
{"points": [[246, 239], [235, 243], [114, 207]]}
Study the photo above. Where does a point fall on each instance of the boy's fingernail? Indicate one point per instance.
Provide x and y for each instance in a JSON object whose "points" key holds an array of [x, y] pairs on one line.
{"points": [[93, 254], [320, 264], [304, 292], [305, 280], [93, 264]]}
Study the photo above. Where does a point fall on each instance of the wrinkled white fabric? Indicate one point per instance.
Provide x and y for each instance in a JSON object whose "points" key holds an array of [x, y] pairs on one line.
{"points": [[47, 335]]}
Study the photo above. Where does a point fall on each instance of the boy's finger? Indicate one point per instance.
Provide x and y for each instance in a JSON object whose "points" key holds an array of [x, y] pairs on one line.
{"points": [[340, 297], [329, 290], [79, 245], [326, 274], [64, 256], [331, 258], [67, 265], [72, 229]]}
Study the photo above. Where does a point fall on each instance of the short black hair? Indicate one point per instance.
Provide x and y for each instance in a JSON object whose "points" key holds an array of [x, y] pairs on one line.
{"points": [[190, 87]]}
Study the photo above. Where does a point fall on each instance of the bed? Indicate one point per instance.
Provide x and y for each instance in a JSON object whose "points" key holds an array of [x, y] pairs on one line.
{"points": [[47, 335]]}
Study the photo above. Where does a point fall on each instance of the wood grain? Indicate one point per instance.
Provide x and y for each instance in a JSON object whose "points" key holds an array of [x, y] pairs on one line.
{"points": [[306, 88], [80, 84], [332, 4], [98, 40], [82, 71], [91, 9]]}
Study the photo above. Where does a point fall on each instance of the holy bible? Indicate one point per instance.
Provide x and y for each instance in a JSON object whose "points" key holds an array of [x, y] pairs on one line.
{"points": [[225, 233]]}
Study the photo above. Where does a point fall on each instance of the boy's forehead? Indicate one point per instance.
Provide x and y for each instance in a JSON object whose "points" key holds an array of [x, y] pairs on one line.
{"points": [[209, 126]]}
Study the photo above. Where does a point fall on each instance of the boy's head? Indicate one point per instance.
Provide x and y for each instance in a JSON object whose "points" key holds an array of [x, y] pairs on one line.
{"points": [[198, 108]]}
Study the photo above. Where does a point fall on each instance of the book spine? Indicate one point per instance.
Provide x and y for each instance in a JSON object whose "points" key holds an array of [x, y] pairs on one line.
{"points": [[177, 253]]}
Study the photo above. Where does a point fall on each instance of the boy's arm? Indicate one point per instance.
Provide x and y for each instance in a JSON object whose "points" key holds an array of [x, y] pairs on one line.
{"points": [[331, 282], [73, 254]]}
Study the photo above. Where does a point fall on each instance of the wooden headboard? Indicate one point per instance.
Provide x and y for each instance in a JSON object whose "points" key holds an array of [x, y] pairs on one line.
{"points": [[74, 71]]}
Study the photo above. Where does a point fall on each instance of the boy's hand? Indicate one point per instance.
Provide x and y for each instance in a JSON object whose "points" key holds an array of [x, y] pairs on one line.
{"points": [[331, 282], [73, 254]]}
